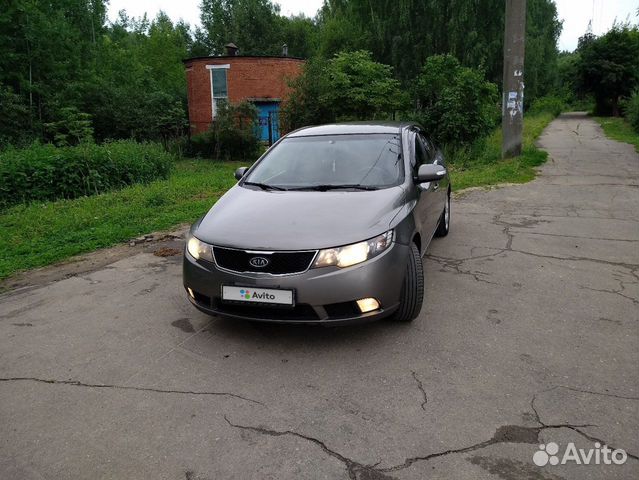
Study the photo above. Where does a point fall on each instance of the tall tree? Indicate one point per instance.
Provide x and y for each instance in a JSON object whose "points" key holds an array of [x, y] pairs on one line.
{"points": [[403, 33], [253, 25], [609, 66]]}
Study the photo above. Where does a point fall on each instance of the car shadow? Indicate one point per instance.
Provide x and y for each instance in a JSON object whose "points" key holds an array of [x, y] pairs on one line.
{"points": [[304, 336]]}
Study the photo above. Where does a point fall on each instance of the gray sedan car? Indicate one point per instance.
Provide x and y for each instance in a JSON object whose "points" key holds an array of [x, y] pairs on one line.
{"points": [[328, 226]]}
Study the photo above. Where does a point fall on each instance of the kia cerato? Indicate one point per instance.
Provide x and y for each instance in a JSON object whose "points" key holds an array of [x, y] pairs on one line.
{"points": [[328, 226]]}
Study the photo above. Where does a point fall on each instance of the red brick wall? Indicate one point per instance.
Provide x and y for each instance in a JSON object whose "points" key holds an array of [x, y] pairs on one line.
{"points": [[247, 78]]}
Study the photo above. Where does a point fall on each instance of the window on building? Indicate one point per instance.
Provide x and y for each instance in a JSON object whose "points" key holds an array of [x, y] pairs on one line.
{"points": [[218, 85]]}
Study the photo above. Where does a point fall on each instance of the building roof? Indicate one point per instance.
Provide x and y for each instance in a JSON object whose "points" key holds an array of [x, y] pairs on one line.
{"points": [[227, 57], [348, 128]]}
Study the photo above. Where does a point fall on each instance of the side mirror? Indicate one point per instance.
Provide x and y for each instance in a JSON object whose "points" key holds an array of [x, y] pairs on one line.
{"points": [[430, 173], [239, 173]]}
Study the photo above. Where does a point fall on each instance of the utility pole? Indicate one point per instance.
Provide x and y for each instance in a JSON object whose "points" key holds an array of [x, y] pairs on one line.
{"points": [[512, 111]]}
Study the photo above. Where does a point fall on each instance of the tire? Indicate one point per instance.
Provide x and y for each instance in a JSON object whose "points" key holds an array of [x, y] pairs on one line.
{"points": [[444, 221], [412, 294]]}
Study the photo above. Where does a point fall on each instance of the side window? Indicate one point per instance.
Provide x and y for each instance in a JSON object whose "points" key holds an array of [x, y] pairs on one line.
{"points": [[421, 156], [421, 153], [429, 151]]}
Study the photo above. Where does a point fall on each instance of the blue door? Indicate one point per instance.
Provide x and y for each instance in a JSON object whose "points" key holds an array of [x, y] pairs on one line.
{"points": [[269, 121]]}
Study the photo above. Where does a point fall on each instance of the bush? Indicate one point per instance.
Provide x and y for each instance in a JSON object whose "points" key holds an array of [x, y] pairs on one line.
{"points": [[550, 103], [631, 110], [232, 136], [350, 86], [455, 104], [46, 172]]}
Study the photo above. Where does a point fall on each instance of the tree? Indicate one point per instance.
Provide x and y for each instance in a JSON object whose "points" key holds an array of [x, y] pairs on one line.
{"points": [[609, 66], [350, 86], [403, 34], [300, 34], [253, 25], [455, 104]]}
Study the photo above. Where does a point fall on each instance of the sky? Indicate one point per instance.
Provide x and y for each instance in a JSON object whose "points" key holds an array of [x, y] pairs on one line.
{"points": [[575, 14]]}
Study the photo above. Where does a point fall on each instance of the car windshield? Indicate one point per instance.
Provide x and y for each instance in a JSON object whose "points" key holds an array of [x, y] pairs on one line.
{"points": [[330, 162]]}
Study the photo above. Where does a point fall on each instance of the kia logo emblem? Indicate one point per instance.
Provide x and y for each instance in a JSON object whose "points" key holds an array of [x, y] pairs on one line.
{"points": [[259, 262]]}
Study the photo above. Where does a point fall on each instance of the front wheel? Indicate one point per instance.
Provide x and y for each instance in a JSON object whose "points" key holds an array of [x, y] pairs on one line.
{"points": [[412, 294], [444, 220]]}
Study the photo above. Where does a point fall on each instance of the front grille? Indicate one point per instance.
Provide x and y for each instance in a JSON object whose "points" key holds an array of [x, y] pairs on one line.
{"points": [[300, 312], [278, 262]]}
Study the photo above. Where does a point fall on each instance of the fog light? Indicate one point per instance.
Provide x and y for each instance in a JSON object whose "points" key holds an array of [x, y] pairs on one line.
{"points": [[367, 304], [191, 293]]}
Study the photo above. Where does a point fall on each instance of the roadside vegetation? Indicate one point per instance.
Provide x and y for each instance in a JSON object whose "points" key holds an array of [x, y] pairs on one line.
{"points": [[46, 172], [481, 164], [38, 234], [619, 129]]}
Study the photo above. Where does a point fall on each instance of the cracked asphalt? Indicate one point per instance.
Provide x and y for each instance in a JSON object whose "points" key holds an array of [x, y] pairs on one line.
{"points": [[528, 335]]}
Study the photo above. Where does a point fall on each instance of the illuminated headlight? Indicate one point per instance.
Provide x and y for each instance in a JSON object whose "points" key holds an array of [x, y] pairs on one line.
{"points": [[355, 253], [199, 250]]}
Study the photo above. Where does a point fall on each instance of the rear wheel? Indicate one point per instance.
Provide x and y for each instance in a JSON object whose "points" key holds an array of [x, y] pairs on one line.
{"points": [[444, 220], [412, 294]]}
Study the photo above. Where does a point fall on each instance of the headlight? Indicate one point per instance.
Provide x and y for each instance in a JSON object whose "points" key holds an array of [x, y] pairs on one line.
{"points": [[199, 250], [355, 253]]}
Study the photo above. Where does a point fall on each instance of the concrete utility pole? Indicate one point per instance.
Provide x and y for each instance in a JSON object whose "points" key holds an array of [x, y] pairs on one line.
{"points": [[512, 111]]}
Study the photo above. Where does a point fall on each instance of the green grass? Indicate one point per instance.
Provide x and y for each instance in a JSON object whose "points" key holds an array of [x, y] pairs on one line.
{"points": [[39, 234], [482, 165], [619, 129]]}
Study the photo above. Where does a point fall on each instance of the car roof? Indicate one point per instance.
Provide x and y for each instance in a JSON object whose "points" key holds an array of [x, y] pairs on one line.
{"points": [[351, 128]]}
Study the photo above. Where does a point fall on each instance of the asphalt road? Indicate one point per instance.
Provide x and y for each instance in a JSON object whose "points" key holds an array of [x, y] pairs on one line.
{"points": [[528, 336]]}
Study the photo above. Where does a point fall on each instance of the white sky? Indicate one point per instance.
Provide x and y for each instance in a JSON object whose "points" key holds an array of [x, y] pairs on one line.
{"points": [[575, 13]]}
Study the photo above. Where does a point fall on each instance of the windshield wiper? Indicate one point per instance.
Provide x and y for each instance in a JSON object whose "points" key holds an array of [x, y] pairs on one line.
{"points": [[264, 186], [323, 188]]}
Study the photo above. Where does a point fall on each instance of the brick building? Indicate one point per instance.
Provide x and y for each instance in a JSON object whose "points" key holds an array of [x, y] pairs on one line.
{"points": [[262, 80]]}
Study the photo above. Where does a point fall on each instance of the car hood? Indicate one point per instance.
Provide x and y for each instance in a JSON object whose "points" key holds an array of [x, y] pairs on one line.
{"points": [[275, 220]]}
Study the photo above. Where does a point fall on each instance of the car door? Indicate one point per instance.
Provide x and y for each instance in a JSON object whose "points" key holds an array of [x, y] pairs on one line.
{"points": [[427, 194]]}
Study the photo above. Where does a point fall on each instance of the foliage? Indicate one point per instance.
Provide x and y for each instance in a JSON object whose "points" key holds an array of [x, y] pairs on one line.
{"points": [[304, 105], [609, 66], [480, 163], [251, 24], [14, 119], [541, 61], [63, 54], [46, 172], [455, 104], [72, 128], [39, 234], [231, 136], [404, 34], [553, 104], [361, 88], [349, 86], [631, 110], [619, 129]]}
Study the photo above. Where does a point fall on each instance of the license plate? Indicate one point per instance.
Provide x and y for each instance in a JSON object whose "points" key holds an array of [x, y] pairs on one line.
{"points": [[257, 295]]}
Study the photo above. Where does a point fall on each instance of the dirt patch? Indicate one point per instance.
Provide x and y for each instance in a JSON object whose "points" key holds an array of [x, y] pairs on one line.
{"points": [[166, 252]]}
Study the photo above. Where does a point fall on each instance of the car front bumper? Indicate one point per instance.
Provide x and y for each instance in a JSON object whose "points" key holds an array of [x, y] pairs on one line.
{"points": [[322, 295]]}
